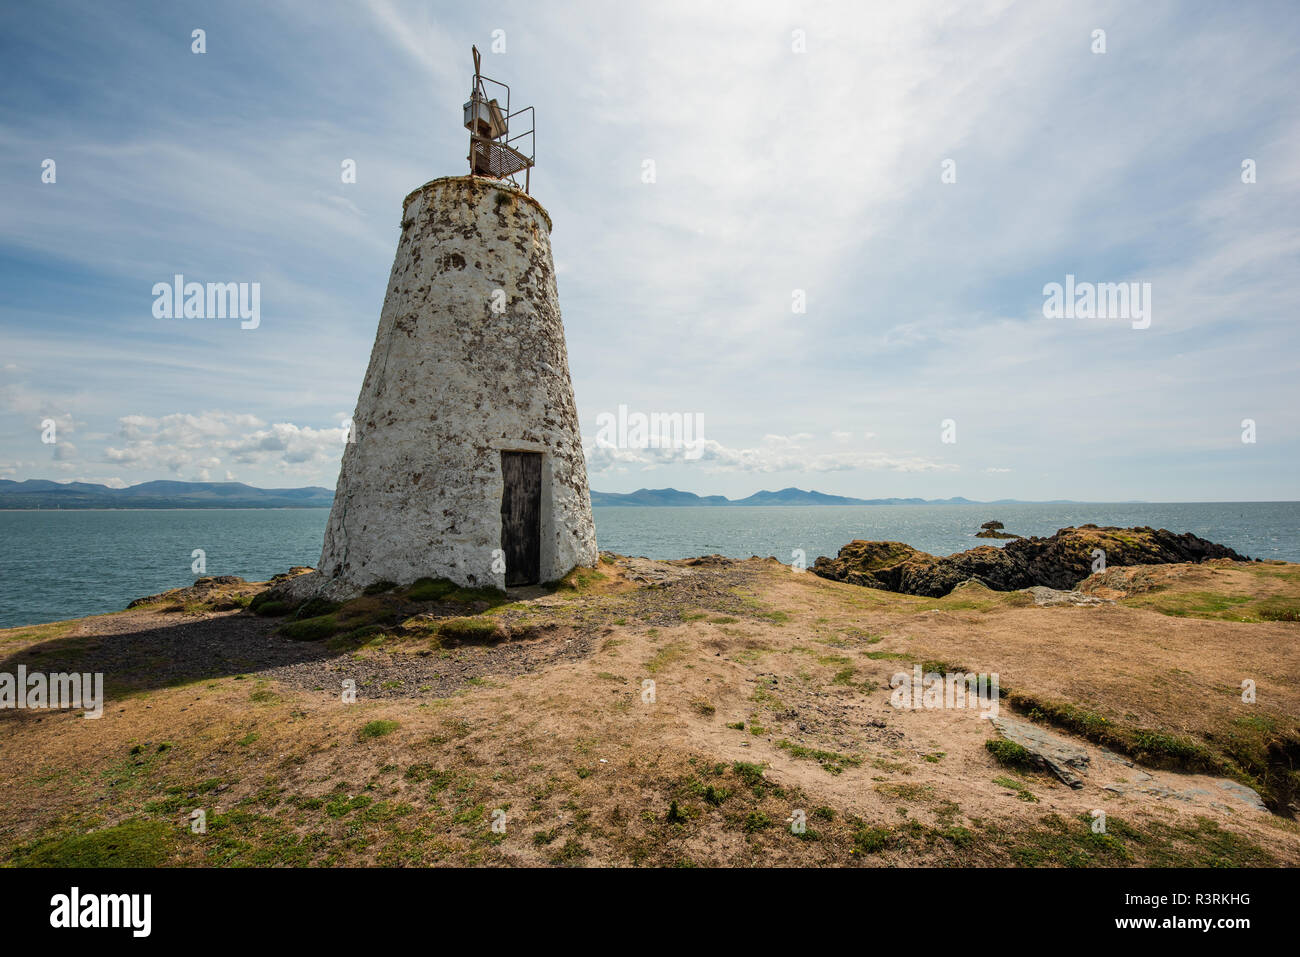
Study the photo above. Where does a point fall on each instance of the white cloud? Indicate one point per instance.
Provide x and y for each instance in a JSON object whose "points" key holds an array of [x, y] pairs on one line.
{"points": [[198, 444], [776, 454]]}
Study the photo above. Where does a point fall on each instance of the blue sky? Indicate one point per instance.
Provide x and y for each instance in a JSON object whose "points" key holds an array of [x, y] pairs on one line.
{"points": [[776, 171]]}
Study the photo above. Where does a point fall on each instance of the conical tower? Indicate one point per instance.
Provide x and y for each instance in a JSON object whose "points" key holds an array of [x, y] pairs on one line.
{"points": [[465, 461]]}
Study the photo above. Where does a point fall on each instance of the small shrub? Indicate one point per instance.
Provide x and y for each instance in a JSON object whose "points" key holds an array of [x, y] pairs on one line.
{"points": [[871, 840], [376, 729], [1279, 610], [354, 638], [1011, 755], [715, 795], [430, 589], [262, 604], [470, 630], [315, 608], [751, 774], [310, 629], [1181, 752]]}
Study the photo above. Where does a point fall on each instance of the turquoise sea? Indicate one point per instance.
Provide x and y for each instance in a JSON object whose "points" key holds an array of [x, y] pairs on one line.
{"points": [[65, 564]]}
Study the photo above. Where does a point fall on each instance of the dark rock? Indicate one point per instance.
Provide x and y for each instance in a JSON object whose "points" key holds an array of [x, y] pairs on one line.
{"points": [[1066, 558], [1060, 561], [994, 530]]}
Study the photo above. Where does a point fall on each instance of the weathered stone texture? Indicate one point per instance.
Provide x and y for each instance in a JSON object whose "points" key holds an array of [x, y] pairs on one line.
{"points": [[452, 382]]}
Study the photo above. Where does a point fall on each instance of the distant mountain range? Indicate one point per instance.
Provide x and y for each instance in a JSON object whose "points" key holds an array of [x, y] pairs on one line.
{"points": [[39, 493], [786, 496]]}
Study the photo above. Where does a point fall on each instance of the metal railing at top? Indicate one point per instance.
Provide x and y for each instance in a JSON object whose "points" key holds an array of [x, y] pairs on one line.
{"points": [[505, 139]]}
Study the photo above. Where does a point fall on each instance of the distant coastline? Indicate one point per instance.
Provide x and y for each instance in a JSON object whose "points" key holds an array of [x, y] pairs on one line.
{"points": [[659, 497], [42, 495]]}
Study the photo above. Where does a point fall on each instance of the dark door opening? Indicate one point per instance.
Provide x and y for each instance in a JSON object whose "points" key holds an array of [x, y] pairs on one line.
{"points": [[521, 516]]}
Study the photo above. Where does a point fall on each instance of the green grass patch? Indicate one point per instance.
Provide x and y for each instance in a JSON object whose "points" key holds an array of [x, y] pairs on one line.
{"points": [[262, 604], [872, 840], [666, 656], [315, 608], [430, 589], [1011, 755], [376, 729], [441, 589], [134, 843], [832, 761], [470, 631], [310, 629], [1022, 792]]}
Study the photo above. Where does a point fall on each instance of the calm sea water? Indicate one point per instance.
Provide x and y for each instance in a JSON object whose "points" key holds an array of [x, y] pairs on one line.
{"points": [[65, 564]]}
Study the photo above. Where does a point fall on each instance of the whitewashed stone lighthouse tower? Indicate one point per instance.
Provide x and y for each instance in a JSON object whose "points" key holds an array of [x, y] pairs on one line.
{"points": [[466, 460]]}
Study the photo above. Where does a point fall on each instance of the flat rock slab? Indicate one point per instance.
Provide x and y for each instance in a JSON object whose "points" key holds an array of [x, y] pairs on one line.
{"points": [[1067, 760], [1244, 794], [1043, 595], [646, 571], [1059, 755]]}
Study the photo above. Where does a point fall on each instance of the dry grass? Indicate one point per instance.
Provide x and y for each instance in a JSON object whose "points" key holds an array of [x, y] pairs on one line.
{"points": [[770, 697]]}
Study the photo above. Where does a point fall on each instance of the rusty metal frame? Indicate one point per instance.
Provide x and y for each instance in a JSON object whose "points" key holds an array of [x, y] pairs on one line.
{"points": [[504, 141]]}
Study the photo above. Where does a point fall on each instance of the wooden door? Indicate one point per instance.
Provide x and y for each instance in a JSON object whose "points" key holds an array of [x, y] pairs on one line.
{"points": [[521, 516]]}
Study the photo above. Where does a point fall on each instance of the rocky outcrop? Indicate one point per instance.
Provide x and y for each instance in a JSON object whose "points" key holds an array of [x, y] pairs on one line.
{"points": [[203, 589], [1066, 558], [1060, 561], [894, 566], [994, 530]]}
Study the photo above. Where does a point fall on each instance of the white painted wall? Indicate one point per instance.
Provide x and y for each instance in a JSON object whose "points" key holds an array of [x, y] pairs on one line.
{"points": [[450, 384]]}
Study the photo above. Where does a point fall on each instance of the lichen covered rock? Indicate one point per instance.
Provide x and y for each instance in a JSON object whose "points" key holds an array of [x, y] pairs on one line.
{"points": [[1060, 561]]}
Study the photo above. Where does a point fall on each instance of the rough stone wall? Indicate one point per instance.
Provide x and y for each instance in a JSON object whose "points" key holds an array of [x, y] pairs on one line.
{"points": [[452, 383]]}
